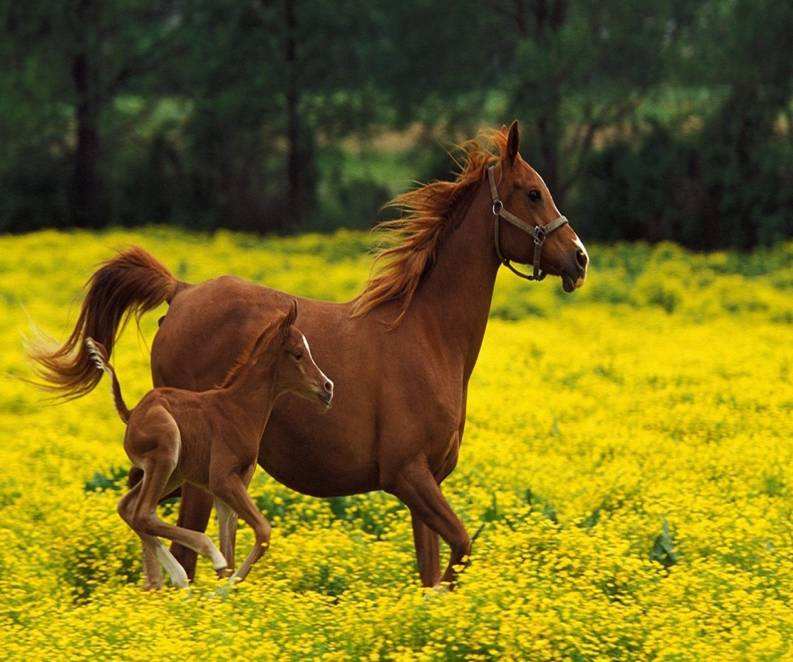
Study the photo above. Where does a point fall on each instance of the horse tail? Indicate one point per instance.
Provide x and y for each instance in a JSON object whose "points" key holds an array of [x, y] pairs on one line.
{"points": [[98, 354], [131, 282]]}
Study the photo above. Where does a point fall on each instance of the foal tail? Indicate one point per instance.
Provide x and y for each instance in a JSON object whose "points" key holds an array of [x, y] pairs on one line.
{"points": [[131, 282], [98, 354]]}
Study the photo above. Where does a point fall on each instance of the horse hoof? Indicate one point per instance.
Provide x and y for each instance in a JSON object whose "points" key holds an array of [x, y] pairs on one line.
{"points": [[223, 573]]}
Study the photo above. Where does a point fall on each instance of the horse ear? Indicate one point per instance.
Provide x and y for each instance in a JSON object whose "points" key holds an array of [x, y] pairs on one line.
{"points": [[513, 142]]}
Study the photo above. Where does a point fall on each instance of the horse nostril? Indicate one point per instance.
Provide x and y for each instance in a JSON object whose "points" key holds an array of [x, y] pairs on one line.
{"points": [[581, 259]]}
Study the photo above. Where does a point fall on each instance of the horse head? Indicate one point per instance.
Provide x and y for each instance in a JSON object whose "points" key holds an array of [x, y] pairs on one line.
{"points": [[529, 228]]}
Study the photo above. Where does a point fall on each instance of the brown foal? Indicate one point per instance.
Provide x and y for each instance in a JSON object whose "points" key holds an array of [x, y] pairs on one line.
{"points": [[210, 439]]}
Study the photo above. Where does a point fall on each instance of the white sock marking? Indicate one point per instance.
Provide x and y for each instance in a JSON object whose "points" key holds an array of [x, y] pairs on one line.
{"points": [[174, 569]]}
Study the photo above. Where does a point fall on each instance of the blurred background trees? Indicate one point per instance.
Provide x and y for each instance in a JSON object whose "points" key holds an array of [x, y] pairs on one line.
{"points": [[666, 119]]}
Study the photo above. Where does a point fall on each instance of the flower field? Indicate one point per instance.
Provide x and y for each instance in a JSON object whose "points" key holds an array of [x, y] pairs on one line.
{"points": [[628, 457]]}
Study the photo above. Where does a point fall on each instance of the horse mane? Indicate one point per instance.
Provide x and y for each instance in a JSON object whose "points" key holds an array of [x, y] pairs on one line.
{"points": [[408, 245]]}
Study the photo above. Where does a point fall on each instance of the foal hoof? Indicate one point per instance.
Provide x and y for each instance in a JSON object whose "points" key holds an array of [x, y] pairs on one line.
{"points": [[222, 573], [179, 578], [180, 583]]}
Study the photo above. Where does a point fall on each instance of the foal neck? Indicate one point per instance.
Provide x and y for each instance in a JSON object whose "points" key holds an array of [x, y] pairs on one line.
{"points": [[253, 388]]}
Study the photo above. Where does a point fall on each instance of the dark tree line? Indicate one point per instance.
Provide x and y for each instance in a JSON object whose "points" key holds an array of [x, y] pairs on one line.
{"points": [[652, 120]]}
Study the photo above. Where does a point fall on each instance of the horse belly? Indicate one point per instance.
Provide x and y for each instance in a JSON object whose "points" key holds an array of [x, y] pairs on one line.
{"points": [[310, 454]]}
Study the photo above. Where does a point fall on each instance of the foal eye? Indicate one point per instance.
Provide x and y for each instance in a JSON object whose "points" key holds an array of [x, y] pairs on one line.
{"points": [[297, 357], [535, 195]]}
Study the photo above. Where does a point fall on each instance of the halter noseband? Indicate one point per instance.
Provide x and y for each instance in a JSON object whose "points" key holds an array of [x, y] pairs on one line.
{"points": [[539, 233]]}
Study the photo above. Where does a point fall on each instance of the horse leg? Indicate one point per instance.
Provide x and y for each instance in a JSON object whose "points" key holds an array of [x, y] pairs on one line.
{"points": [[155, 483], [416, 487], [151, 565], [227, 529], [194, 511], [427, 552], [231, 489]]}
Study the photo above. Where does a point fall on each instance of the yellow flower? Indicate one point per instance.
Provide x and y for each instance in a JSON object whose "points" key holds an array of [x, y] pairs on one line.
{"points": [[664, 397]]}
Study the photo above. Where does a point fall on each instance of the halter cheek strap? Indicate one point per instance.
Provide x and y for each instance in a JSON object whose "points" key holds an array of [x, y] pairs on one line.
{"points": [[539, 233]]}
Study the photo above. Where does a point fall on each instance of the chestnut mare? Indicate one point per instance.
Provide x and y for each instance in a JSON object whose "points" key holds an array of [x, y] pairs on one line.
{"points": [[401, 353]]}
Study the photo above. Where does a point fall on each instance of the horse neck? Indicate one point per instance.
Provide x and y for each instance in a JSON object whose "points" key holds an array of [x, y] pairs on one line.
{"points": [[454, 297]]}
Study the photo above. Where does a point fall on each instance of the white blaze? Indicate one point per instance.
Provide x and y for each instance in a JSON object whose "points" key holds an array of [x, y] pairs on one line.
{"points": [[308, 350], [580, 281]]}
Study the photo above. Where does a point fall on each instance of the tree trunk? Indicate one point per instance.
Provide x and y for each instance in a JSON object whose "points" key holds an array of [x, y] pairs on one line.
{"points": [[548, 145], [549, 20], [294, 215], [86, 186]]}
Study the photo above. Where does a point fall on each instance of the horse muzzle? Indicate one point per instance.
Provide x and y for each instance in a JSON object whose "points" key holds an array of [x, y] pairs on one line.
{"points": [[574, 273]]}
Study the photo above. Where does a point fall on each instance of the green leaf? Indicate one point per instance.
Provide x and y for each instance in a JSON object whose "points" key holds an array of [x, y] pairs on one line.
{"points": [[663, 549]]}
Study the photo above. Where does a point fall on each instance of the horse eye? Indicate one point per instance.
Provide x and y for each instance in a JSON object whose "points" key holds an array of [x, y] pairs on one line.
{"points": [[535, 195], [297, 356]]}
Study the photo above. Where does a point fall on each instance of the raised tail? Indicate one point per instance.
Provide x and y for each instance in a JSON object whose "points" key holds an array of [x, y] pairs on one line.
{"points": [[98, 354], [131, 282]]}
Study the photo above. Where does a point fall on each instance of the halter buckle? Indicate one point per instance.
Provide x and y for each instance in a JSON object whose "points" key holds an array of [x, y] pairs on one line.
{"points": [[497, 207]]}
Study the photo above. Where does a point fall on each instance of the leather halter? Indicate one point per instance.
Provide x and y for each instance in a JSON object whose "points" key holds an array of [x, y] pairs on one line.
{"points": [[539, 233]]}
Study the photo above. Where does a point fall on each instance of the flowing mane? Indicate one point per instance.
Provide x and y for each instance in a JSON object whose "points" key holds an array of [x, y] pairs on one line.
{"points": [[243, 360], [408, 245], [262, 340]]}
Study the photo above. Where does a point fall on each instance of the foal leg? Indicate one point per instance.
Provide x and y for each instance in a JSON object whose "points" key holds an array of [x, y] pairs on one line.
{"points": [[155, 555], [416, 487], [194, 511], [232, 490], [156, 482], [227, 529]]}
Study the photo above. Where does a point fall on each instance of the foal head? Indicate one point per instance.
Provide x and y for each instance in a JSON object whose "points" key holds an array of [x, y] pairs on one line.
{"points": [[285, 353], [524, 193]]}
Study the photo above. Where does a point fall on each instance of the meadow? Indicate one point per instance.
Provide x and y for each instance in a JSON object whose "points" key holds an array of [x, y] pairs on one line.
{"points": [[627, 454]]}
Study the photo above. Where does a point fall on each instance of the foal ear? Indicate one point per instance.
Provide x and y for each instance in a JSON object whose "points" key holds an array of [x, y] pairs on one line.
{"points": [[289, 319], [513, 142]]}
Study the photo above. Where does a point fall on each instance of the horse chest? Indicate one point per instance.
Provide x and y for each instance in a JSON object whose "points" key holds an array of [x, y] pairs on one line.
{"points": [[445, 436]]}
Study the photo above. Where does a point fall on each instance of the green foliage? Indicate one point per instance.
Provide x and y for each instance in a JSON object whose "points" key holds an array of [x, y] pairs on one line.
{"points": [[668, 185], [663, 549], [370, 515], [113, 480], [660, 120]]}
